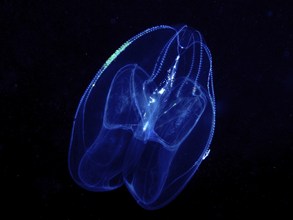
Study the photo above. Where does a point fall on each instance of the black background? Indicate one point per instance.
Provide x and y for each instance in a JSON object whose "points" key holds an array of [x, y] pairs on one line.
{"points": [[50, 50]]}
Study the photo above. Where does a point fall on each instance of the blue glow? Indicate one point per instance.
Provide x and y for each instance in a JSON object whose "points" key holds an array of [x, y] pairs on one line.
{"points": [[147, 119]]}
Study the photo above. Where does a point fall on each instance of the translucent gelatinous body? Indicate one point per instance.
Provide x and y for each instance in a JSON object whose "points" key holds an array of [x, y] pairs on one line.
{"points": [[147, 118]]}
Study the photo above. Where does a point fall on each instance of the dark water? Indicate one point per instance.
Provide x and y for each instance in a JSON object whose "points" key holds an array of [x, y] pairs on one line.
{"points": [[51, 50]]}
